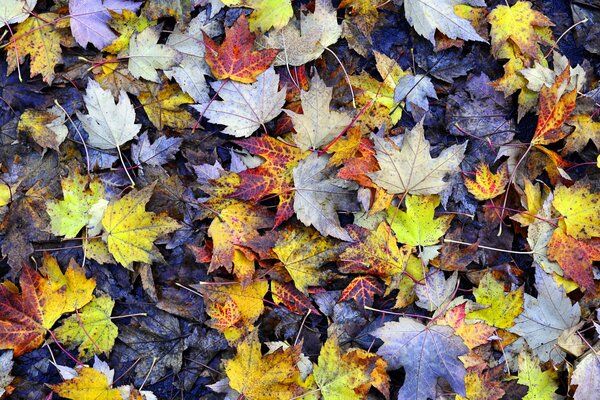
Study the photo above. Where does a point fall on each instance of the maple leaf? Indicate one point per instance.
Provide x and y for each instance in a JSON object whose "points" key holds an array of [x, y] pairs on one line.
{"points": [[75, 285], [520, 24], [482, 384], [273, 177], [361, 289], [232, 231], [580, 209], [15, 11], [426, 353], [425, 17], [417, 226], [245, 108], [487, 185], [302, 251], [267, 13], [318, 196], [414, 90], [25, 317], [6, 365], [146, 55], [317, 125], [91, 328], [575, 257], [89, 384], [294, 300], [47, 128], [257, 377], [89, 20], [375, 252], [585, 130], [349, 375], [106, 132], [411, 169], [305, 40], [473, 334], [541, 385], [82, 204], [436, 291], [585, 376], [502, 308], [234, 59], [544, 319], [130, 230], [41, 41], [164, 107], [156, 153], [127, 23], [554, 108]]}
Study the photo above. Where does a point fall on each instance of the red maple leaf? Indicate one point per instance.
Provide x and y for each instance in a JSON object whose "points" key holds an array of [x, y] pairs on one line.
{"points": [[362, 289]]}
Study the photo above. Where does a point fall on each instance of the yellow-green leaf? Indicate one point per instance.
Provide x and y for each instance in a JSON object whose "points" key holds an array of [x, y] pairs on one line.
{"points": [[502, 308]]}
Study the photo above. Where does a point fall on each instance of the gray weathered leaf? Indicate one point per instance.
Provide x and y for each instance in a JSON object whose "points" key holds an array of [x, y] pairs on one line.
{"points": [[426, 353], [414, 89], [587, 377], [6, 364], [426, 16], [158, 153], [15, 11], [436, 291], [108, 124], [544, 319], [319, 195], [146, 55], [245, 107]]}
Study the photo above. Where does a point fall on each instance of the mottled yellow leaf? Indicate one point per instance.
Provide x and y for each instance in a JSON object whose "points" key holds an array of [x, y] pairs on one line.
{"points": [[90, 384], [487, 185], [164, 107], [502, 309], [78, 288], [580, 209]]}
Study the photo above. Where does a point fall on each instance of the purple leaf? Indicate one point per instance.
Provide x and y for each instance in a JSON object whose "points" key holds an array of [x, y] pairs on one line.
{"points": [[89, 20]]}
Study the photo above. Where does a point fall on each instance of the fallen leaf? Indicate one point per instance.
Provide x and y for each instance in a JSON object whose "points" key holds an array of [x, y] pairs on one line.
{"points": [[15, 11], [414, 91], [541, 385], [362, 290], [586, 376], [164, 108], [436, 290], [157, 153], [581, 210], [473, 334], [267, 14], [76, 286], [502, 308], [146, 55], [47, 128], [487, 185], [89, 384]]}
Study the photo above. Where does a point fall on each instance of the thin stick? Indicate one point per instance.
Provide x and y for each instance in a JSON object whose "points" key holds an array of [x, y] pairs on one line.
{"points": [[488, 247], [87, 155], [397, 313], [301, 326], [345, 73], [143, 314]]}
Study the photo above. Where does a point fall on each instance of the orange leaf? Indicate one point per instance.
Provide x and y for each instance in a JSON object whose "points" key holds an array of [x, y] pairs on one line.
{"points": [[273, 177], [575, 257], [474, 334], [223, 315], [234, 59], [553, 109], [294, 300], [362, 289], [487, 185], [25, 317]]}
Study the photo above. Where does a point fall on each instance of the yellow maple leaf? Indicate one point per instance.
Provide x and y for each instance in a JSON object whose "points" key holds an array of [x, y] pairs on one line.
{"points": [[267, 14], [47, 128], [91, 329], [78, 289], [542, 385], [580, 209], [90, 384], [41, 41], [417, 226], [487, 185], [586, 129], [126, 23], [164, 107], [502, 308], [349, 375], [533, 203], [131, 230], [82, 204]]}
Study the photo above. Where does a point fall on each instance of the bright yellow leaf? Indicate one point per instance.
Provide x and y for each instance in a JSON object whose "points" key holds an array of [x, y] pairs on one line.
{"points": [[91, 384], [580, 209], [349, 375], [5, 194], [41, 41], [487, 185], [91, 329], [502, 308], [78, 288], [131, 230], [418, 226], [542, 385], [164, 107], [126, 23], [76, 210], [586, 129], [274, 376], [267, 13], [533, 203]]}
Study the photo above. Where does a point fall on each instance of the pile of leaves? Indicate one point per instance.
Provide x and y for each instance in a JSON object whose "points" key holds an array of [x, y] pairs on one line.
{"points": [[299, 199]]}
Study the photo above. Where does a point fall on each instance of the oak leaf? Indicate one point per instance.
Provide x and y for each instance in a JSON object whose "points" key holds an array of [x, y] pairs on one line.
{"points": [[417, 226], [234, 58], [245, 108], [411, 169], [318, 125], [272, 376], [487, 185], [426, 353], [349, 375], [502, 308], [273, 177], [130, 230]]}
